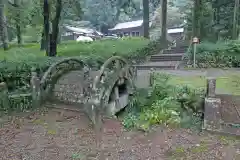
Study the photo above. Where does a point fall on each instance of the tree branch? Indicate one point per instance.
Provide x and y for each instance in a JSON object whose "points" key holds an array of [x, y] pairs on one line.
{"points": [[13, 4]]}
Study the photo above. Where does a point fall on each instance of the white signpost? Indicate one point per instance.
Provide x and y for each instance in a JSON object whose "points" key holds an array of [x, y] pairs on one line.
{"points": [[195, 42]]}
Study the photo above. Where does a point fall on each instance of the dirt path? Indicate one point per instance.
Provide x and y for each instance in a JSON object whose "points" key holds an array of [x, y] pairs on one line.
{"points": [[48, 136]]}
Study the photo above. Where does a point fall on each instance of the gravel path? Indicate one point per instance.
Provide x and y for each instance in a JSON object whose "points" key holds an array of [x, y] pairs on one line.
{"points": [[51, 136]]}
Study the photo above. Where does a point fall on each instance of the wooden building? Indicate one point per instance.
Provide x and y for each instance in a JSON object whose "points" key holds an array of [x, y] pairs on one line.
{"points": [[133, 28], [72, 33]]}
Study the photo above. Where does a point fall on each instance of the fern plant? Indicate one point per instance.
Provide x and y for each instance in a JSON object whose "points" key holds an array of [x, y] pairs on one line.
{"points": [[164, 104]]}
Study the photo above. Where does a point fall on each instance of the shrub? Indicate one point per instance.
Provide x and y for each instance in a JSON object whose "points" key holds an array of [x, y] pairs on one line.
{"points": [[167, 104], [219, 55], [17, 74]]}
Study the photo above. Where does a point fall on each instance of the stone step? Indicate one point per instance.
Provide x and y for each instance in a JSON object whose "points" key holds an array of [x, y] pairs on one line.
{"points": [[182, 46], [166, 57], [174, 51], [182, 43], [158, 65], [178, 48]]}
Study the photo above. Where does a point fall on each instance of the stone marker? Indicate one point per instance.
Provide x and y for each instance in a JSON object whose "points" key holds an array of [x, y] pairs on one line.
{"points": [[211, 87]]}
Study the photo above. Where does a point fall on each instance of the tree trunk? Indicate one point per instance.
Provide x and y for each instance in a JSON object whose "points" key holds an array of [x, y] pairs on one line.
{"points": [[18, 21], [55, 29], [3, 26], [146, 18], [235, 20], [196, 18], [46, 14], [164, 21], [216, 18], [19, 37], [42, 45]]}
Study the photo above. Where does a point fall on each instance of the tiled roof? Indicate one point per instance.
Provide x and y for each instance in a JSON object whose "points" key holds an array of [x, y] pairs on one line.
{"points": [[131, 24], [82, 30], [79, 30], [175, 30]]}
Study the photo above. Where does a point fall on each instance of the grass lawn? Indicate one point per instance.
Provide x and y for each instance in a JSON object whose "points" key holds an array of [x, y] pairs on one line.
{"points": [[229, 84], [104, 48]]}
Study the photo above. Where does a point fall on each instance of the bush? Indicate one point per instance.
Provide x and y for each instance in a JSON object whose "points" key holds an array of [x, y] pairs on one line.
{"points": [[17, 75], [219, 55], [164, 104], [16, 64]]}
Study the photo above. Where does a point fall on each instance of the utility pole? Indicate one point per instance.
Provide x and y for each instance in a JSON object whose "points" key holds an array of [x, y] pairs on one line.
{"points": [[235, 20]]}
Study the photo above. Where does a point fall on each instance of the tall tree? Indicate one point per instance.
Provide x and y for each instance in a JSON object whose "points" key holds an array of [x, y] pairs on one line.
{"points": [[16, 15], [146, 18], [55, 28], [3, 26], [235, 20], [46, 15], [164, 21], [196, 18], [18, 21]]}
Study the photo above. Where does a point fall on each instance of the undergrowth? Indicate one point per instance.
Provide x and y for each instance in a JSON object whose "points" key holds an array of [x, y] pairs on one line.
{"points": [[165, 104], [223, 54]]}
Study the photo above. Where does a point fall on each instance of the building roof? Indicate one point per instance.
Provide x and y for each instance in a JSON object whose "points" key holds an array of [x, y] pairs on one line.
{"points": [[79, 30], [131, 24], [99, 33], [82, 30], [175, 30]]}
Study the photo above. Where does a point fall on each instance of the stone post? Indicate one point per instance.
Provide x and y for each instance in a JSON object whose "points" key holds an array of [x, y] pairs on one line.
{"points": [[135, 73], [212, 107], [212, 114], [4, 100], [211, 87], [97, 121], [116, 94], [151, 77], [35, 86]]}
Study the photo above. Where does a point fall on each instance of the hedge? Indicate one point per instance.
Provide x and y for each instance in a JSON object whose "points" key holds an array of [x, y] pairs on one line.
{"points": [[16, 64], [218, 55]]}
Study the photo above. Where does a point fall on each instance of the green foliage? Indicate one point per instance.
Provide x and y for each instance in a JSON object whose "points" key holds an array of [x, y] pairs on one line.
{"points": [[21, 102], [16, 64], [190, 98], [218, 55], [164, 104], [215, 18], [104, 48], [16, 102]]}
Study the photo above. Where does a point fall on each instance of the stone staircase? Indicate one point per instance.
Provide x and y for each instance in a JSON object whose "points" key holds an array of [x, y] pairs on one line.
{"points": [[167, 59], [176, 50]]}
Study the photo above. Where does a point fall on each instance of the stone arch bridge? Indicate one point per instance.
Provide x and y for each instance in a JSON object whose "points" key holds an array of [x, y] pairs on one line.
{"points": [[98, 93]]}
